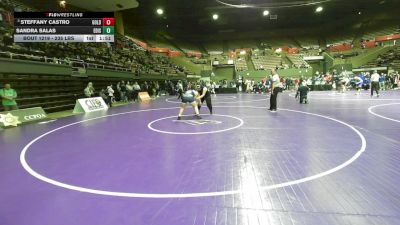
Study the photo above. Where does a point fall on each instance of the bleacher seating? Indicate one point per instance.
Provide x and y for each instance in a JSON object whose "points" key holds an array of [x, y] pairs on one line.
{"points": [[390, 59], [53, 93], [395, 64], [222, 59], [213, 47], [266, 62], [124, 55], [311, 52], [188, 47], [241, 64], [279, 42], [308, 43], [298, 61], [159, 43], [241, 44], [370, 35], [348, 39]]}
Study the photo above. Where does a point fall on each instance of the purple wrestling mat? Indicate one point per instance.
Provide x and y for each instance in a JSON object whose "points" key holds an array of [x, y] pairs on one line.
{"points": [[334, 161]]}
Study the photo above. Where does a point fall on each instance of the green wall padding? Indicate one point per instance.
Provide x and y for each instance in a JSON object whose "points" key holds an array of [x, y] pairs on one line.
{"points": [[15, 66], [183, 61], [222, 73], [260, 74]]}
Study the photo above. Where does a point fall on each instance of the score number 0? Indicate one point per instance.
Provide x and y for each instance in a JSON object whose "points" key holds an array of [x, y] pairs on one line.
{"points": [[108, 21]]}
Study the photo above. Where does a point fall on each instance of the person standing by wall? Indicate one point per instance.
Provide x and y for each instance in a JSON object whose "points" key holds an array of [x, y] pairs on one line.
{"points": [[123, 91], [8, 96], [129, 91], [275, 89], [110, 95], [157, 88], [89, 90], [136, 90]]}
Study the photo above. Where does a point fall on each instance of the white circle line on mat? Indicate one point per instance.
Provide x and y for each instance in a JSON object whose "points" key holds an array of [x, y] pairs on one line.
{"points": [[241, 122], [381, 116], [35, 174]]}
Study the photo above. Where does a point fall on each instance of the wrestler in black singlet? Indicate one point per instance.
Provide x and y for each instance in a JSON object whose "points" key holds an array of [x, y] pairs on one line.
{"points": [[207, 98]]}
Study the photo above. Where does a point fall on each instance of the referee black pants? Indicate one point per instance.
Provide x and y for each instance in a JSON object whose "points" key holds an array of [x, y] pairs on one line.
{"points": [[272, 100], [109, 101], [180, 92], [374, 87], [303, 98]]}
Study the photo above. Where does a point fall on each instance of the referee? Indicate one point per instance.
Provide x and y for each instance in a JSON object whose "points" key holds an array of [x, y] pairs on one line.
{"points": [[275, 89], [375, 83]]}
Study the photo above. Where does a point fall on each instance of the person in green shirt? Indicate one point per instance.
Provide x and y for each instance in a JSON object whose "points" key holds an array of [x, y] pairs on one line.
{"points": [[8, 96]]}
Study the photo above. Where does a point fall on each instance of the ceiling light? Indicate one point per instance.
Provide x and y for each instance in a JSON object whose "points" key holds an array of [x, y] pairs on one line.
{"points": [[265, 13], [319, 9], [160, 11], [215, 16]]}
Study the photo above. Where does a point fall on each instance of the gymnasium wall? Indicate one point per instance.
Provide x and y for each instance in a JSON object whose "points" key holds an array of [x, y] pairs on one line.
{"points": [[318, 66], [15, 66], [183, 61], [222, 73], [260, 74], [329, 61], [343, 67], [370, 56], [253, 74]]}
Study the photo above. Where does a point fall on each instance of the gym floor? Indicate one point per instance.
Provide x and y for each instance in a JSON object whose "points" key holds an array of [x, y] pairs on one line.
{"points": [[334, 161]]}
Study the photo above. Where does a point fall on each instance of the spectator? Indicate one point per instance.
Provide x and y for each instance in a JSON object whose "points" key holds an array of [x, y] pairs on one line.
{"points": [[89, 90], [103, 94], [129, 91], [122, 91], [145, 86], [288, 83], [110, 95], [382, 80], [8, 96], [136, 90]]}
